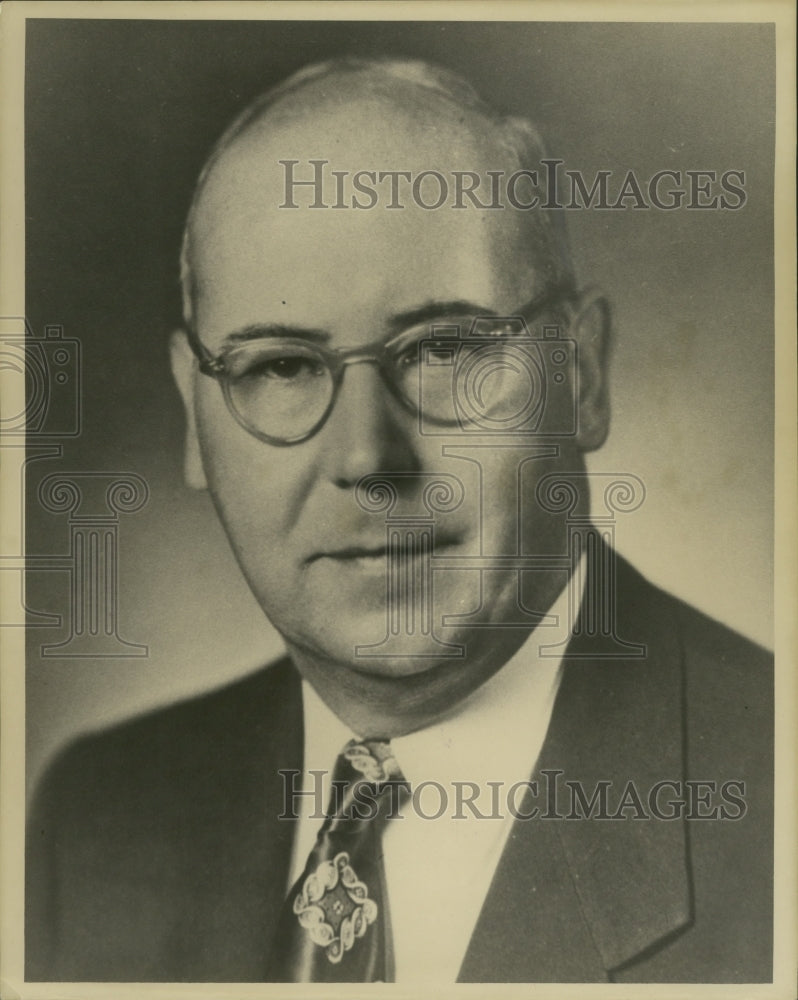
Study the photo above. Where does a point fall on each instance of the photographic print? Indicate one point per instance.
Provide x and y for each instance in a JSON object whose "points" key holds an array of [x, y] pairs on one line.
{"points": [[391, 446]]}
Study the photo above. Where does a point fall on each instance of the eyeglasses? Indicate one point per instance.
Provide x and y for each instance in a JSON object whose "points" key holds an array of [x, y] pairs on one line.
{"points": [[283, 389]]}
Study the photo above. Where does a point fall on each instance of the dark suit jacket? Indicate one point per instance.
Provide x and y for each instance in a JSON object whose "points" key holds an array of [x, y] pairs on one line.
{"points": [[155, 854]]}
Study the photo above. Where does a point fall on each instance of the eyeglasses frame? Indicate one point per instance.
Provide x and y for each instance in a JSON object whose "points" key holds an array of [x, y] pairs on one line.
{"points": [[338, 359]]}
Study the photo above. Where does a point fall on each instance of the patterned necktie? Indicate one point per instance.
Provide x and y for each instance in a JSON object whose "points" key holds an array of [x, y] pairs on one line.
{"points": [[334, 925]]}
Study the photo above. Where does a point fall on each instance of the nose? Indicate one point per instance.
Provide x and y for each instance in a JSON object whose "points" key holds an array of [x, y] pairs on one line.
{"points": [[367, 431]]}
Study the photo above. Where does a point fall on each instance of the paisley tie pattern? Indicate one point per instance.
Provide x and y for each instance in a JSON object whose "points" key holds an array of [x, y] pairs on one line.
{"points": [[334, 924]]}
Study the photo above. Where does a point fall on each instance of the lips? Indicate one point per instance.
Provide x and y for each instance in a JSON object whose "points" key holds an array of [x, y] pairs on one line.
{"points": [[354, 552], [349, 552]]}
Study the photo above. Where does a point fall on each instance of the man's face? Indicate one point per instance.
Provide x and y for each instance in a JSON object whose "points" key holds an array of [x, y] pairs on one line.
{"points": [[314, 558]]}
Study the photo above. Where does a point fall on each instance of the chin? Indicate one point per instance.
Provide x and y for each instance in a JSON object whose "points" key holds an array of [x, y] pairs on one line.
{"points": [[417, 660], [364, 645]]}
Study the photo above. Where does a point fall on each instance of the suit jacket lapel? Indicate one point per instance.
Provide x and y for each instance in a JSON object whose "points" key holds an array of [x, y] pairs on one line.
{"points": [[573, 899]]}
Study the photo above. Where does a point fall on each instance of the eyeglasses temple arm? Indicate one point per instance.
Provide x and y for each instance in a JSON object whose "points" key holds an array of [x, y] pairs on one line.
{"points": [[208, 364]]}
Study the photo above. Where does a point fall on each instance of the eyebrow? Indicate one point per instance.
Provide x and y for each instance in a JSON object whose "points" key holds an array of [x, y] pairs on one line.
{"points": [[396, 324], [436, 310], [259, 331]]}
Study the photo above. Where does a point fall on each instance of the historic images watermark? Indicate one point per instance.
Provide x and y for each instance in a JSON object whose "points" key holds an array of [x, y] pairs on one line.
{"points": [[317, 185], [553, 797]]}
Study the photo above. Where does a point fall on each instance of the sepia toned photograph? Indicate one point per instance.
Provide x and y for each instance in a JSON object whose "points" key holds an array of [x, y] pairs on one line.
{"points": [[394, 555]]}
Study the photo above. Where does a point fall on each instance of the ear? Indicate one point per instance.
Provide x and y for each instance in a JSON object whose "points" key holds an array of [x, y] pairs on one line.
{"points": [[591, 329], [184, 371]]}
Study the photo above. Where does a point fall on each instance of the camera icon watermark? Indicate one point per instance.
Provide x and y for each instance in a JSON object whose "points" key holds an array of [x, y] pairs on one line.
{"points": [[492, 376], [51, 369]]}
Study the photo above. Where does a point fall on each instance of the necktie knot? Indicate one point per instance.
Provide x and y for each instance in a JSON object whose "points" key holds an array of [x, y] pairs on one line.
{"points": [[367, 786], [373, 759]]}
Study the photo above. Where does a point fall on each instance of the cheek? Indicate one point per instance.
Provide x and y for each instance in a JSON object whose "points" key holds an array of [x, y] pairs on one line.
{"points": [[501, 503], [257, 488]]}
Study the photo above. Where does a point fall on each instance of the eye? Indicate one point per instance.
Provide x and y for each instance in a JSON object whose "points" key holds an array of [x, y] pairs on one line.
{"points": [[277, 367], [287, 368], [406, 356]]}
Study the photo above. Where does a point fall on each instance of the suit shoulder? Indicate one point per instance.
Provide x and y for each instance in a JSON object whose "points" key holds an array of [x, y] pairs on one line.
{"points": [[727, 678], [701, 637], [705, 636], [725, 671], [728, 683], [187, 740]]}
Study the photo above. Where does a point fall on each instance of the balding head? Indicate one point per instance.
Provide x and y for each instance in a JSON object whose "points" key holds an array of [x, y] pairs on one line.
{"points": [[383, 114]]}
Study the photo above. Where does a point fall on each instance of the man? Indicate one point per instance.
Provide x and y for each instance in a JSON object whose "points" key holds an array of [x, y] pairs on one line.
{"points": [[390, 407]]}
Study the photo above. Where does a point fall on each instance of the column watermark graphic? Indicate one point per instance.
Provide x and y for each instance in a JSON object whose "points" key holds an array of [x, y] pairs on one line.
{"points": [[410, 541], [93, 559], [592, 587], [42, 411]]}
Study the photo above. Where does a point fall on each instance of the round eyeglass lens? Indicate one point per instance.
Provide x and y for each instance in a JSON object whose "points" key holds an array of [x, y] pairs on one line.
{"points": [[280, 390], [493, 383]]}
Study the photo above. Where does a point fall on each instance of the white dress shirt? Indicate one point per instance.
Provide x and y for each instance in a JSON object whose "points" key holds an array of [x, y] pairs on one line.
{"points": [[438, 870]]}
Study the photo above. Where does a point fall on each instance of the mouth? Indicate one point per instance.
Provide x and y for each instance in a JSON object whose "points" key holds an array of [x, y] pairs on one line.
{"points": [[354, 554], [374, 555]]}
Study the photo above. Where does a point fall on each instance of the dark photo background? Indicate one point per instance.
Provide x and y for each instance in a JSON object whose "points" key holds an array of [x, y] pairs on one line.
{"points": [[120, 115]]}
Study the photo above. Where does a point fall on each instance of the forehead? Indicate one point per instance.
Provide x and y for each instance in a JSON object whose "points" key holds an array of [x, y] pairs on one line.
{"points": [[255, 258]]}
